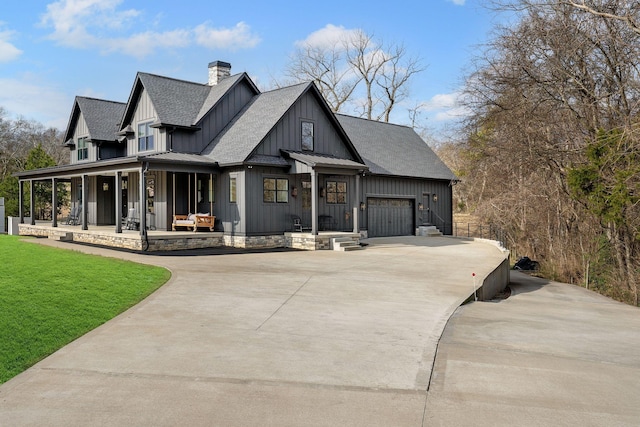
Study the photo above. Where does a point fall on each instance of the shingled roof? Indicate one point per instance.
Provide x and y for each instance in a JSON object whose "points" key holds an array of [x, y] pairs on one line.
{"points": [[390, 149], [242, 135], [102, 118]]}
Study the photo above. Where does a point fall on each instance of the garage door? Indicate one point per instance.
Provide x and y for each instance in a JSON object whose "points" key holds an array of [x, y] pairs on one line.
{"points": [[390, 217]]}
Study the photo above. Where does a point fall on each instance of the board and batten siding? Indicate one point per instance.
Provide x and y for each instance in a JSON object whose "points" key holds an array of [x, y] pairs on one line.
{"points": [[214, 121], [287, 132], [146, 112], [381, 187], [232, 215]]}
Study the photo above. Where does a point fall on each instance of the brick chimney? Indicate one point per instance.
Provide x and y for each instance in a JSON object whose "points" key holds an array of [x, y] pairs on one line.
{"points": [[218, 71]]}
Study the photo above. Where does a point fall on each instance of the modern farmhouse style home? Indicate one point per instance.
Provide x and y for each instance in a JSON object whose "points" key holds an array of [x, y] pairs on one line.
{"points": [[184, 164]]}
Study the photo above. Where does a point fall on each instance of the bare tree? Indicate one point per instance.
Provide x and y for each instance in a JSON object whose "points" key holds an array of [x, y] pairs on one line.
{"points": [[625, 11], [357, 73], [548, 91]]}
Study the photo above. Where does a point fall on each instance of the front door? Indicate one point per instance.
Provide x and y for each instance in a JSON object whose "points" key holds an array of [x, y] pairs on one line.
{"points": [[106, 214]]}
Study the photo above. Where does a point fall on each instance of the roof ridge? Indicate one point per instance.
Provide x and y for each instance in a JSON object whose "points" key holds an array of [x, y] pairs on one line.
{"points": [[101, 100], [285, 87], [373, 121], [182, 80]]}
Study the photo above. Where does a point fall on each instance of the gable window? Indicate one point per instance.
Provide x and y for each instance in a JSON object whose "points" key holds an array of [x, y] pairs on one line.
{"points": [[232, 190], [275, 190], [145, 137], [82, 149], [307, 136], [337, 192]]}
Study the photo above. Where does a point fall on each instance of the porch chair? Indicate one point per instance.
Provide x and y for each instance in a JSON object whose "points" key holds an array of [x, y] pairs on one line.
{"points": [[74, 216], [297, 224], [131, 223], [71, 216]]}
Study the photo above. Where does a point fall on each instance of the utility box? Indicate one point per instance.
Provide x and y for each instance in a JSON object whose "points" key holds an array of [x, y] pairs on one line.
{"points": [[2, 227]]}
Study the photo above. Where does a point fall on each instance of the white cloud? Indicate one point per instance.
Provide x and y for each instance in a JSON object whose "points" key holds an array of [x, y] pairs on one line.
{"points": [[444, 107], [91, 24], [35, 101], [238, 37], [328, 37], [458, 2], [8, 52], [441, 101]]}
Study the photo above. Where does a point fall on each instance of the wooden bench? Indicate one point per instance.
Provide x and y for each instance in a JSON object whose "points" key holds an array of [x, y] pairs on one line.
{"points": [[193, 221]]}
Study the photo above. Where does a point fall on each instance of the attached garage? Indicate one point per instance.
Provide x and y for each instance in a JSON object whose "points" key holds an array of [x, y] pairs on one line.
{"points": [[390, 217]]}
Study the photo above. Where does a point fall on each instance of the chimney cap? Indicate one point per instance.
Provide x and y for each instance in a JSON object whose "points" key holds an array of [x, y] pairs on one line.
{"points": [[219, 64]]}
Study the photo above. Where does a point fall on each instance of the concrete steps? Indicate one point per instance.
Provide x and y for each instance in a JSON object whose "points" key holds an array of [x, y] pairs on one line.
{"points": [[429, 231], [62, 236], [345, 244]]}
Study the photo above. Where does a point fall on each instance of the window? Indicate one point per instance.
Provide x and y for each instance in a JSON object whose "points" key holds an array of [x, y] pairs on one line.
{"points": [[232, 190], [336, 192], [145, 137], [275, 190], [82, 149], [307, 136]]}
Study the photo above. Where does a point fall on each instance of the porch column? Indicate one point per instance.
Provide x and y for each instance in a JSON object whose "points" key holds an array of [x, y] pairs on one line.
{"points": [[21, 201], [32, 197], [195, 192], [54, 202], [211, 194], [173, 194], [118, 202], [356, 207], [143, 202], [314, 203], [85, 203]]}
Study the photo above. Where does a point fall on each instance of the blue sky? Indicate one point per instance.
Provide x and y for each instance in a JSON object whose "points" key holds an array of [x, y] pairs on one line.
{"points": [[51, 51]]}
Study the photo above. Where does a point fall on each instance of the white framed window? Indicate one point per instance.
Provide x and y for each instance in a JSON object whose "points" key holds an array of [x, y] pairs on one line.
{"points": [[82, 148], [233, 191], [145, 137]]}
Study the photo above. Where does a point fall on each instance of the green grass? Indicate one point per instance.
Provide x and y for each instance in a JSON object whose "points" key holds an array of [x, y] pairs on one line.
{"points": [[49, 297]]}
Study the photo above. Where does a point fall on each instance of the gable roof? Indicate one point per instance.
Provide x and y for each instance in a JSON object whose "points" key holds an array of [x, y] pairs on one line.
{"points": [[179, 102], [101, 116], [390, 149], [242, 135], [239, 139], [216, 92]]}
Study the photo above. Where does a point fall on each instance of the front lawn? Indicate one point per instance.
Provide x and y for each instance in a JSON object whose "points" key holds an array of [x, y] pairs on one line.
{"points": [[49, 297]]}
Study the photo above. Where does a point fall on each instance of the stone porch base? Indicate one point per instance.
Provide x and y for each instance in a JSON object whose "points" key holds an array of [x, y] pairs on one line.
{"points": [[174, 240]]}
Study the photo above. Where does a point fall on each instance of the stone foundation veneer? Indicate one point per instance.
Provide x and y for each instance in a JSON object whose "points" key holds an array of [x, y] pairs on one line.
{"points": [[181, 241]]}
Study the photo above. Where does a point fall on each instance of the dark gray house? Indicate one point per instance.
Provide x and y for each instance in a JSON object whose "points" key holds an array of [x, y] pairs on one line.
{"points": [[273, 168]]}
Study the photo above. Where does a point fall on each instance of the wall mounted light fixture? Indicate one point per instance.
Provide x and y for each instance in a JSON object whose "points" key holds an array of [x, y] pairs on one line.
{"points": [[294, 191], [420, 207], [362, 206], [321, 191], [435, 198]]}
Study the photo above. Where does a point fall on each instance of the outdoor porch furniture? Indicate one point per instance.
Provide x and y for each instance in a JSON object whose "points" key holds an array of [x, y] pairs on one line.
{"points": [[74, 216], [297, 224], [193, 221], [326, 222], [131, 222]]}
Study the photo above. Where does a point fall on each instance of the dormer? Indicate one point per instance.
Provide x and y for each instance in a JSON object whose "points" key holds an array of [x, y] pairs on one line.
{"points": [[91, 132]]}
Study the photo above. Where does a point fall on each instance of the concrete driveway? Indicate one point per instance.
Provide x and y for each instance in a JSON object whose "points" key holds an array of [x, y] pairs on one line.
{"points": [[271, 339], [552, 354]]}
